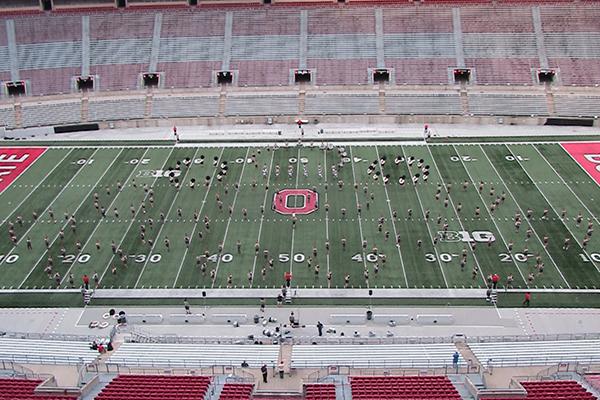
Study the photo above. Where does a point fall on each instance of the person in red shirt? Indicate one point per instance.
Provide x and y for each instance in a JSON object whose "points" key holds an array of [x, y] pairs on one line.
{"points": [[495, 280], [86, 281], [527, 299]]}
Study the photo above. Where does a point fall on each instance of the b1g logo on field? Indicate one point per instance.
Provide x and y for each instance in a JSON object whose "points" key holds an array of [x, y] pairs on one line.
{"points": [[295, 201], [466, 236]]}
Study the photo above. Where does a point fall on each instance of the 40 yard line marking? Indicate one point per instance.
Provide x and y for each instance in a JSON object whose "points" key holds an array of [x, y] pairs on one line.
{"points": [[196, 222], [231, 216], [181, 187], [262, 217], [522, 213], [75, 212], [36, 186], [108, 208], [394, 222], [362, 237], [133, 219]]}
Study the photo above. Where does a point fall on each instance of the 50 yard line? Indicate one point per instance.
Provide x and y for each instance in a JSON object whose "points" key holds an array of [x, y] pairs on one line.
{"points": [[295, 198]]}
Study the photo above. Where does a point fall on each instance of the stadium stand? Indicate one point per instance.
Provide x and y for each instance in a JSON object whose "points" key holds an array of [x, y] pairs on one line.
{"points": [[180, 106], [374, 356], [44, 114], [551, 390], [342, 104], [156, 387], [24, 389], [236, 391], [577, 106], [28, 351], [116, 109], [422, 104], [319, 391], [262, 104], [403, 387], [192, 355], [7, 117], [507, 104], [536, 353]]}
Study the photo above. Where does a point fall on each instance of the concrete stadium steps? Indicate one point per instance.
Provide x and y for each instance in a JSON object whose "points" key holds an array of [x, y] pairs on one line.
{"points": [[7, 117], [44, 114], [507, 104], [29, 351], [262, 105], [184, 106], [116, 109]]}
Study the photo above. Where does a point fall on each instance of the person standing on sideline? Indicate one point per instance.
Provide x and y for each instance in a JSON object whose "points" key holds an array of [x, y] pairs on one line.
{"points": [[495, 280], [455, 357], [186, 305], [265, 372], [527, 299], [86, 282], [320, 328]]}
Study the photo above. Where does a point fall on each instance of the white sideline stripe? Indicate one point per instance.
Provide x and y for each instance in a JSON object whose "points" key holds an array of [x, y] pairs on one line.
{"points": [[262, 217], [181, 187], [522, 213], [196, 222], [455, 212], [489, 212], [394, 222], [554, 209], [74, 212], [295, 199], [230, 217], [437, 255], [362, 237], [108, 208], [133, 219]]}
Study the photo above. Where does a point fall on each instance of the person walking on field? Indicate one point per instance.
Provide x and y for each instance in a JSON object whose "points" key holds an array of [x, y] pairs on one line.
{"points": [[527, 299]]}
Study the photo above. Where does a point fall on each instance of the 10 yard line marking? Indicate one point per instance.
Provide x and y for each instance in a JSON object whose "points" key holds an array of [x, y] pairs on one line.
{"points": [[37, 186], [231, 216], [196, 222], [488, 212], [108, 208], [295, 199], [394, 222], [522, 213], [134, 217], [437, 255], [362, 238], [181, 187], [75, 212], [262, 217]]}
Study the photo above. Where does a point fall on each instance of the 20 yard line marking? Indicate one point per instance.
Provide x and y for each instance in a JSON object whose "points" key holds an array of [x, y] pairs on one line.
{"points": [[394, 222], [108, 208], [196, 222], [522, 213], [230, 217], [181, 187]]}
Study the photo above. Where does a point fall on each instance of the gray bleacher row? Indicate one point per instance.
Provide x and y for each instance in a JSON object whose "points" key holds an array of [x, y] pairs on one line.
{"points": [[29, 351], [507, 104], [117, 109]]}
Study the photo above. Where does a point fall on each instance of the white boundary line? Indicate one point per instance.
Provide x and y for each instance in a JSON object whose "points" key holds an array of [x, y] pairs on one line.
{"points": [[262, 217], [295, 199], [492, 218], [196, 222], [522, 213], [36, 187], [553, 208], [437, 255], [134, 217], [108, 208], [181, 187], [362, 237], [388, 201], [74, 212], [231, 216]]}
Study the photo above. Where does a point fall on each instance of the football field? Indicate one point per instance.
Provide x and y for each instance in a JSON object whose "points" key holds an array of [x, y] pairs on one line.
{"points": [[323, 214]]}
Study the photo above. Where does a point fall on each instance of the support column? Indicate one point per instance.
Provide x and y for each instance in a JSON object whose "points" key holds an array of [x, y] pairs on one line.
{"points": [[379, 38], [13, 54], [303, 47], [539, 37], [85, 45], [155, 43], [458, 38], [227, 43]]}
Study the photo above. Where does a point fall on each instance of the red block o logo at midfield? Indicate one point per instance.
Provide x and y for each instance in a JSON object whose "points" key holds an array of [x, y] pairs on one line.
{"points": [[295, 201]]}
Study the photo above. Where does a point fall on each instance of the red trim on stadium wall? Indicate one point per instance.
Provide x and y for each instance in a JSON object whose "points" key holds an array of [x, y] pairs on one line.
{"points": [[282, 206], [14, 161]]}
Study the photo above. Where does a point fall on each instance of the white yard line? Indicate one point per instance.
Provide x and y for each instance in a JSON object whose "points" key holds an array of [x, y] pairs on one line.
{"points": [[554, 209], [388, 201], [489, 212], [196, 222], [134, 217], [75, 212], [108, 208], [231, 217], [455, 212], [522, 213], [36, 186], [360, 229], [295, 199], [326, 211], [437, 255], [262, 217], [181, 187]]}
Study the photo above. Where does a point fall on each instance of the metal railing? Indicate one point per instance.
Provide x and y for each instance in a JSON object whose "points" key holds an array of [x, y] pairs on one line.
{"points": [[56, 336]]}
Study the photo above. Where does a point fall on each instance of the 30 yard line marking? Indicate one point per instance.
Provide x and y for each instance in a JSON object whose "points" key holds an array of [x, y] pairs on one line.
{"points": [[362, 237], [522, 213], [75, 212], [230, 217], [196, 222], [262, 217], [488, 211], [36, 186], [554, 209], [181, 187], [295, 199], [133, 219], [108, 208], [437, 255], [394, 222]]}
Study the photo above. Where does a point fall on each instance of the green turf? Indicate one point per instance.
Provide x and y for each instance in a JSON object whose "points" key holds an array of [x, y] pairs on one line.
{"points": [[533, 176]]}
